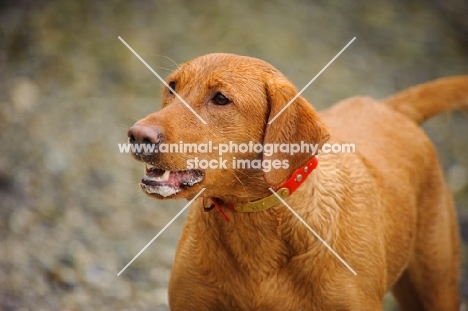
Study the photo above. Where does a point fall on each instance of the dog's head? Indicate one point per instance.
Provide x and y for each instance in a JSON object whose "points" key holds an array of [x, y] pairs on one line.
{"points": [[237, 97]]}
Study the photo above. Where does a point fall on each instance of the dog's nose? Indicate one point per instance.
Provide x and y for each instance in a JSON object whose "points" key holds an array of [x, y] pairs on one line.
{"points": [[143, 134]]}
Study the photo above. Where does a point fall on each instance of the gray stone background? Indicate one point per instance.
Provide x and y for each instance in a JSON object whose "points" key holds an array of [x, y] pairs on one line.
{"points": [[71, 215]]}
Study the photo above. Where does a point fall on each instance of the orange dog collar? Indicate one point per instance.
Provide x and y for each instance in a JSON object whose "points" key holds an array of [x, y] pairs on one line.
{"points": [[284, 190]]}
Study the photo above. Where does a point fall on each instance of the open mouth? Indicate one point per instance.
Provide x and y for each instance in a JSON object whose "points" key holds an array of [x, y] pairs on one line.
{"points": [[167, 183]]}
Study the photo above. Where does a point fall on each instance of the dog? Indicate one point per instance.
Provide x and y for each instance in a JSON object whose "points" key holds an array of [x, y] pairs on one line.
{"points": [[384, 210]]}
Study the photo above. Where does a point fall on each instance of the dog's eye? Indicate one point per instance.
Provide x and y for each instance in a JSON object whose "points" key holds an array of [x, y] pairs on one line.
{"points": [[172, 85], [220, 100]]}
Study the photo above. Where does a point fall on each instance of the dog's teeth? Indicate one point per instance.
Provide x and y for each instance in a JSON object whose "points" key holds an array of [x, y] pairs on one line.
{"points": [[161, 178], [146, 168], [165, 176]]}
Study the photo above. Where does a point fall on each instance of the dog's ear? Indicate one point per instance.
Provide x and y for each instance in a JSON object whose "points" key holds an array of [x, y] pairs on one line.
{"points": [[298, 123]]}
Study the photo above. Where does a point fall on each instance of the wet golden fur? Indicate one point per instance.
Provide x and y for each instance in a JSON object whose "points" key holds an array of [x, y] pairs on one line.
{"points": [[385, 209]]}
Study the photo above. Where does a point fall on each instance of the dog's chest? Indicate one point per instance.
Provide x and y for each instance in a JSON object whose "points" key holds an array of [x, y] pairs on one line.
{"points": [[276, 292]]}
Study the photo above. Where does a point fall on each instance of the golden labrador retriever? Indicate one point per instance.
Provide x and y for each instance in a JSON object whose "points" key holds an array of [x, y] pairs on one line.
{"points": [[384, 209]]}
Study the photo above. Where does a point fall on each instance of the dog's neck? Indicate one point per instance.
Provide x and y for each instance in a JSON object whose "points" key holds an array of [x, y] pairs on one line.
{"points": [[254, 242], [261, 243], [257, 243], [277, 195]]}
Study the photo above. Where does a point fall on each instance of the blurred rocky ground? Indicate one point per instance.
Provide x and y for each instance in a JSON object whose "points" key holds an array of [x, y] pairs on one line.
{"points": [[71, 215]]}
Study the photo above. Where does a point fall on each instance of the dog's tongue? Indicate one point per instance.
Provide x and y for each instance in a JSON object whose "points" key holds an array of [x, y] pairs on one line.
{"points": [[167, 183]]}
